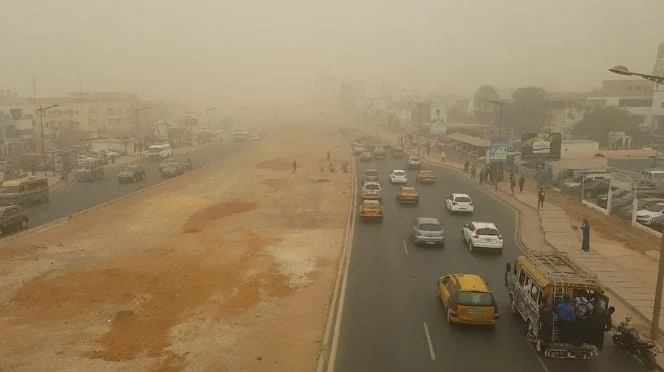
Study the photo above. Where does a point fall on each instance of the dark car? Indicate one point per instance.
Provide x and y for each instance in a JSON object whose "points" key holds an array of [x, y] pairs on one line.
{"points": [[595, 188], [13, 217], [657, 223], [603, 199], [172, 170], [131, 174]]}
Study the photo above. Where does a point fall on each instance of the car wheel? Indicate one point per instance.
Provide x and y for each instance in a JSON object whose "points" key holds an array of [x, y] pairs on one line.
{"points": [[24, 224]]}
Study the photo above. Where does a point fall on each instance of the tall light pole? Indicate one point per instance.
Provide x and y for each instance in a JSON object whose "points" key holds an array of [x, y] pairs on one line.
{"points": [[657, 309], [41, 121], [207, 112], [500, 117], [138, 128], [419, 125]]}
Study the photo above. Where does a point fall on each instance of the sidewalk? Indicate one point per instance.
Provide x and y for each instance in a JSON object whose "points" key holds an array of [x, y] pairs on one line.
{"points": [[630, 276]]}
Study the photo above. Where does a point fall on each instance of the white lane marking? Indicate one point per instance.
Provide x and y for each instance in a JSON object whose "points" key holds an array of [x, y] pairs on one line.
{"points": [[405, 246], [539, 358], [432, 354]]}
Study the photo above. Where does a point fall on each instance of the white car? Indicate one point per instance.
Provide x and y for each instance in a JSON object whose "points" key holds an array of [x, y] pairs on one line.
{"points": [[646, 216], [414, 162], [483, 235], [398, 177], [459, 203]]}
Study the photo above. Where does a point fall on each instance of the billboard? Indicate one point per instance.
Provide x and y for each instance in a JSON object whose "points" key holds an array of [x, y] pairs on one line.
{"points": [[541, 145], [498, 151]]}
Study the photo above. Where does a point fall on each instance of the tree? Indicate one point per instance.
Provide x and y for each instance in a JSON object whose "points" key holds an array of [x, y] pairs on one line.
{"points": [[597, 123], [529, 110], [483, 108]]}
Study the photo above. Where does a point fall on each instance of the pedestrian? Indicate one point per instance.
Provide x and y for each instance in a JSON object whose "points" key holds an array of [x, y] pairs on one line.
{"points": [[481, 176], [442, 156], [328, 155], [540, 198], [113, 159], [512, 183], [522, 180], [465, 167], [294, 166], [473, 172], [585, 240]]}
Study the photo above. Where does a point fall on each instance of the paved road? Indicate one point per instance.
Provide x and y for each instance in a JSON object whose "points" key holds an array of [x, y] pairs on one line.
{"points": [[391, 294], [79, 196]]}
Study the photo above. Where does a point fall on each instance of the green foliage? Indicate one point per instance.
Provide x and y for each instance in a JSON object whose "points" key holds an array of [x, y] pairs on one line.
{"points": [[483, 111], [529, 109], [597, 123]]}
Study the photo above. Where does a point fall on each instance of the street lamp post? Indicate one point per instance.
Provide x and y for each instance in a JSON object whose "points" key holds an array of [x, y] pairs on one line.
{"points": [[138, 128], [207, 112], [657, 309], [43, 140], [500, 117]]}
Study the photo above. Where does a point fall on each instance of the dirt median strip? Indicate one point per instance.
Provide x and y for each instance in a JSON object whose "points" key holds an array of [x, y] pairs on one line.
{"points": [[231, 272]]}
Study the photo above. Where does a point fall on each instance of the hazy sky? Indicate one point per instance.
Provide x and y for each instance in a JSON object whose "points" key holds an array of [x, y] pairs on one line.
{"points": [[243, 52]]}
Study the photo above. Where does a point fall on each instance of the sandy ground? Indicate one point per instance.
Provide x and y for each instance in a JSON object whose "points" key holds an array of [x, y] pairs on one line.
{"points": [[227, 269]]}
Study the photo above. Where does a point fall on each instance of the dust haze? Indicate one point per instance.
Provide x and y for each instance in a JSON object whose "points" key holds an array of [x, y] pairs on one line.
{"points": [[258, 52]]}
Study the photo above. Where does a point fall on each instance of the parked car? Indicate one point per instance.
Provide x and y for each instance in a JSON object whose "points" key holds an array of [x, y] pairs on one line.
{"points": [[658, 224], [131, 174], [595, 188], [626, 210], [602, 199], [13, 217], [646, 215]]}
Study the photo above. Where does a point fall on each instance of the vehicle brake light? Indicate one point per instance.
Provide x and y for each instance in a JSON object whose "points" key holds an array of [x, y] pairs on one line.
{"points": [[418, 232], [475, 236], [454, 309], [454, 203]]}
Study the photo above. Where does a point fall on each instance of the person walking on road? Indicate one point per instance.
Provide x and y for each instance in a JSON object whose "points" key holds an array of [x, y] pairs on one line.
{"points": [[465, 167], [522, 180], [481, 176], [328, 155], [540, 198], [473, 171], [294, 166], [585, 240]]}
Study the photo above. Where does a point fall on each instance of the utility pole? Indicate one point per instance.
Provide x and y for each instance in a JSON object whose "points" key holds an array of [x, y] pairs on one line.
{"points": [[207, 112], [43, 137], [138, 129], [500, 117], [419, 130]]}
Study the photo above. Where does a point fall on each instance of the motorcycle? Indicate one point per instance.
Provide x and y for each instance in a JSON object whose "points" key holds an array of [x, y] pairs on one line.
{"points": [[629, 339]]}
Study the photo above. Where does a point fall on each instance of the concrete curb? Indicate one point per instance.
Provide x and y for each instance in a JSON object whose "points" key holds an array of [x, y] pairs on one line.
{"points": [[59, 221], [327, 355]]}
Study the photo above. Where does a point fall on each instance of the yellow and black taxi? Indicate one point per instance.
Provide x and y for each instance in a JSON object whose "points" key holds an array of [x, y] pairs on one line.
{"points": [[408, 195], [371, 211], [426, 177], [467, 300]]}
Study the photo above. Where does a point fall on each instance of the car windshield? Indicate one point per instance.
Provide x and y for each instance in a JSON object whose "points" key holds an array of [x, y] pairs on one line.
{"points": [[488, 231], [399, 173], [656, 208], [430, 227], [408, 190], [658, 175], [372, 187], [475, 299], [414, 159], [371, 173], [426, 173], [154, 150], [462, 199]]}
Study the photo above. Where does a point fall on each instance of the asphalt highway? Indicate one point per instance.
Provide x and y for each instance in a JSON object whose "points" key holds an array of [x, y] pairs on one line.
{"points": [[76, 197], [392, 318]]}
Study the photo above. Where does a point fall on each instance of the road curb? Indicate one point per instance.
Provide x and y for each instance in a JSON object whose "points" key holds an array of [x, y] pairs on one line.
{"points": [[59, 221], [327, 354]]}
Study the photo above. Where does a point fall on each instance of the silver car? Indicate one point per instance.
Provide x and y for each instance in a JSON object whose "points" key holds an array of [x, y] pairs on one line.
{"points": [[427, 230]]}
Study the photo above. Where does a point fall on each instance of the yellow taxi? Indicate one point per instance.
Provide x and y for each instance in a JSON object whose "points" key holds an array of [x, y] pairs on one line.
{"points": [[408, 195], [426, 176], [467, 300], [371, 211]]}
